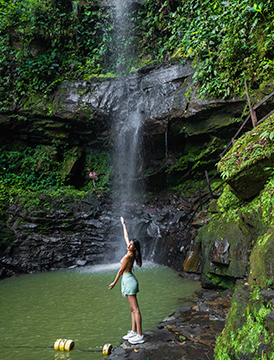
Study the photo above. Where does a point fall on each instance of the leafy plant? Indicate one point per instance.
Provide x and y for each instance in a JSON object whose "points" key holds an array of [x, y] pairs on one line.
{"points": [[231, 40]]}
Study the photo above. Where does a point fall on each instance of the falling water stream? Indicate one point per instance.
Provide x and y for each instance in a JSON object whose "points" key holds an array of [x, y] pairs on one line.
{"points": [[127, 125]]}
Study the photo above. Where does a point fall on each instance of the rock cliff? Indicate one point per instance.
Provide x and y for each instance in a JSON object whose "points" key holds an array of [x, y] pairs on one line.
{"points": [[177, 123]]}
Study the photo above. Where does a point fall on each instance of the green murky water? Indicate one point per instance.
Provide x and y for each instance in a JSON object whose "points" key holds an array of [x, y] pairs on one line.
{"points": [[38, 309]]}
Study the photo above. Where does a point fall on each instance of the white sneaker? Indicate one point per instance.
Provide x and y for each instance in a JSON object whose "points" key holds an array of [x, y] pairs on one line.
{"points": [[138, 339], [130, 334]]}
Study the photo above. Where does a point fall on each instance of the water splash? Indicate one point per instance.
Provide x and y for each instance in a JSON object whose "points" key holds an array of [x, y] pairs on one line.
{"points": [[105, 268]]}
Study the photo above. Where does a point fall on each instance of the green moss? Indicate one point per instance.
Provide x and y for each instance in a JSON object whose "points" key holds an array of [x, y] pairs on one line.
{"points": [[245, 332], [141, 62], [29, 200], [262, 261], [45, 158], [266, 203], [196, 155], [217, 281], [229, 202], [40, 104], [252, 147], [209, 124], [70, 159]]}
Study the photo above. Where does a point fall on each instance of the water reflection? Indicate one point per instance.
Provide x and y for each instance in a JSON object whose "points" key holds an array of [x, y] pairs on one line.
{"points": [[62, 355], [38, 309]]}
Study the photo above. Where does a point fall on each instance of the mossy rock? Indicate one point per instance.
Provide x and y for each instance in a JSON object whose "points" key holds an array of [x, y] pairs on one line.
{"points": [[71, 158], [248, 165], [225, 247], [213, 206], [245, 334], [251, 180], [237, 307], [239, 340], [262, 261], [212, 281], [209, 124]]}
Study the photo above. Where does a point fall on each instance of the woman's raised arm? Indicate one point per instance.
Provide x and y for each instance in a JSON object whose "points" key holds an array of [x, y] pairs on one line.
{"points": [[125, 231]]}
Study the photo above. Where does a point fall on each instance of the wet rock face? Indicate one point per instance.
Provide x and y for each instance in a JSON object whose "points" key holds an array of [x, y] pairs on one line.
{"points": [[82, 114], [159, 97], [219, 252], [78, 233], [193, 259]]}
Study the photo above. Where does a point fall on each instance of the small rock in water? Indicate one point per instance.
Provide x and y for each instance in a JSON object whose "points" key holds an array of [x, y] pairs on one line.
{"points": [[72, 267], [81, 262]]}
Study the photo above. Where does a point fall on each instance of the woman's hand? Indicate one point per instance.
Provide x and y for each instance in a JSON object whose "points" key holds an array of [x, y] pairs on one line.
{"points": [[122, 220], [111, 286]]}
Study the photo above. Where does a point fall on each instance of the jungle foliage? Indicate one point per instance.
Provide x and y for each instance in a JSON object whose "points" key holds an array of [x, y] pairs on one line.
{"points": [[232, 41], [46, 41]]}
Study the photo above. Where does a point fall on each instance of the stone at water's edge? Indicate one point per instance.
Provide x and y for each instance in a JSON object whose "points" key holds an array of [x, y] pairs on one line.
{"points": [[188, 334], [193, 259]]}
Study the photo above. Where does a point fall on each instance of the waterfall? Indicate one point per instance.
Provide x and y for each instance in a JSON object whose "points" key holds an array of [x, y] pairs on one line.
{"points": [[126, 127]]}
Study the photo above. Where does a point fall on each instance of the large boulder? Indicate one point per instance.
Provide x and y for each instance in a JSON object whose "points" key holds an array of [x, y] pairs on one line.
{"points": [[248, 165], [225, 252]]}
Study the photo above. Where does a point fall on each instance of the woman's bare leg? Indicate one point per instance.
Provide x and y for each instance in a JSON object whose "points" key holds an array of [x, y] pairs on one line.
{"points": [[136, 317]]}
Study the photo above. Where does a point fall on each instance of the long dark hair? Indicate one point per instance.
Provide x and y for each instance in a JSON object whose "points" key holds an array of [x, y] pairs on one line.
{"points": [[137, 252]]}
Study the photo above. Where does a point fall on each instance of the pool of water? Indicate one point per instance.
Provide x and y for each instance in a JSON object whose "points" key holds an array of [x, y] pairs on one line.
{"points": [[38, 309]]}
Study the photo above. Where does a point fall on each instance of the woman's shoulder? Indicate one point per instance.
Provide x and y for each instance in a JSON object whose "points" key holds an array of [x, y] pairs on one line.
{"points": [[128, 256]]}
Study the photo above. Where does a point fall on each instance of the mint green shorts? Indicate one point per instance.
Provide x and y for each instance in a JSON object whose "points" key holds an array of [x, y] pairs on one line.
{"points": [[129, 284]]}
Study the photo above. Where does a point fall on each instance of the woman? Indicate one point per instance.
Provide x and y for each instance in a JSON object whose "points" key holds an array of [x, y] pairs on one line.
{"points": [[130, 286]]}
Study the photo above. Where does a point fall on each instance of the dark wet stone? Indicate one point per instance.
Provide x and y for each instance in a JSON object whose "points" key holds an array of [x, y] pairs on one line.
{"points": [[193, 259], [173, 316], [81, 262], [204, 307], [270, 321], [187, 335], [160, 345], [268, 294], [219, 252], [184, 309]]}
